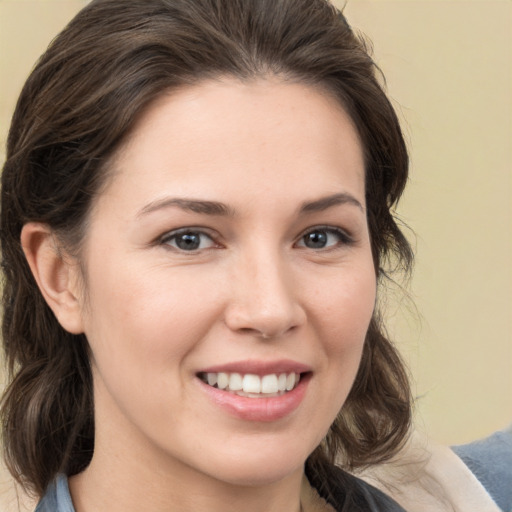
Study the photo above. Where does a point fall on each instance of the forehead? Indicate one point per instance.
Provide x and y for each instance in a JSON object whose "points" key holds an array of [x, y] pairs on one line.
{"points": [[265, 135]]}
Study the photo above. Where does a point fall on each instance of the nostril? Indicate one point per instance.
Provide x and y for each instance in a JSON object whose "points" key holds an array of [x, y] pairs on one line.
{"points": [[266, 334], [256, 333]]}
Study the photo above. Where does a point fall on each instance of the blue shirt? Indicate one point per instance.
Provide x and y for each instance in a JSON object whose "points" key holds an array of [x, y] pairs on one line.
{"points": [[57, 497], [490, 460]]}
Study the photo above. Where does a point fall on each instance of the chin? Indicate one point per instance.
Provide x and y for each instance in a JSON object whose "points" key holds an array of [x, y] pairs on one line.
{"points": [[257, 476], [259, 467]]}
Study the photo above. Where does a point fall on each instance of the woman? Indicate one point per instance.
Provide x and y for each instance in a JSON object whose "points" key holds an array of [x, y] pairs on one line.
{"points": [[203, 194]]}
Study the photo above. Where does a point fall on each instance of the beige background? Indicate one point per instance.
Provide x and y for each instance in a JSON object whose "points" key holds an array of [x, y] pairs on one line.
{"points": [[448, 66]]}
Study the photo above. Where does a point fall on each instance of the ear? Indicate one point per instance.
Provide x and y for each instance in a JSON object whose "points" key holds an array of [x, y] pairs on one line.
{"points": [[57, 275]]}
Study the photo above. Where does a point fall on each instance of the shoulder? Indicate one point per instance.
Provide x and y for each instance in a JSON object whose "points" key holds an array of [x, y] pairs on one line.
{"points": [[374, 500], [344, 491], [490, 460], [426, 476], [57, 497]]}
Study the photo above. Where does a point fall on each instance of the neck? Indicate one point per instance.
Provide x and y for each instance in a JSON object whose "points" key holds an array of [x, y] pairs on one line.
{"points": [[94, 491], [122, 478]]}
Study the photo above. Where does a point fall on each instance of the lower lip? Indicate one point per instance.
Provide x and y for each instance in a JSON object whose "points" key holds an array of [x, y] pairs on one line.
{"points": [[258, 409]]}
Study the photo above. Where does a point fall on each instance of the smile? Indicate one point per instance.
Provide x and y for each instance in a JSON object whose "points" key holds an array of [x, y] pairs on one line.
{"points": [[251, 385]]}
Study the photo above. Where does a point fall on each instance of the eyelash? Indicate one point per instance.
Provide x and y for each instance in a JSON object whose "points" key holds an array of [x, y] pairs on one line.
{"points": [[173, 235], [344, 239]]}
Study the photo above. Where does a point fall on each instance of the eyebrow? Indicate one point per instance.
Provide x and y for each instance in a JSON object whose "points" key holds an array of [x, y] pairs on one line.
{"points": [[193, 205], [327, 202], [217, 208]]}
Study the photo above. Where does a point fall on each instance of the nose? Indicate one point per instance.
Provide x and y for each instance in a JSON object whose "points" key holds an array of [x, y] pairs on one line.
{"points": [[264, 300]]}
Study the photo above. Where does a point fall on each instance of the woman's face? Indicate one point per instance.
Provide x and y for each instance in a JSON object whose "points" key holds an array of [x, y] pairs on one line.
{"points": [[230, 250]]}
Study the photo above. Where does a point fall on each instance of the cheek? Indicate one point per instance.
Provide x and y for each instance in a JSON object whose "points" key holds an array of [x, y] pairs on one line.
{"points": [[343, 318], [141, 331], [346, 307], [142, 323]]}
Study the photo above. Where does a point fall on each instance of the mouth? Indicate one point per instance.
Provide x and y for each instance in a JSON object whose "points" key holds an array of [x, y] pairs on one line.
{"points": [[251, 385]]}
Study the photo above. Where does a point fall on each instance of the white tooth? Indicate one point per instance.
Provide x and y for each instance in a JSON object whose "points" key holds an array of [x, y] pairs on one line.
{"points": [[235, 382], [290, 381], [281, 382], [251, 384], [269, 384], [212, 378], [222, 380]]}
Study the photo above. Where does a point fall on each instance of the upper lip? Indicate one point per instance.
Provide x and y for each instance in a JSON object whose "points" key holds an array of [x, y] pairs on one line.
{"points": [[259, 367]]}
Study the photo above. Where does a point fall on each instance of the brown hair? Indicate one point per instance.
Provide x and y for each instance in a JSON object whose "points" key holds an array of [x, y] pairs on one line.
{"points": [[98, 75]]}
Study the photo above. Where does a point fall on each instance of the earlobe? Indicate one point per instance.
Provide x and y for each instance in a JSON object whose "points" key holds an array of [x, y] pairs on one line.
{"points": [[56, 274]]}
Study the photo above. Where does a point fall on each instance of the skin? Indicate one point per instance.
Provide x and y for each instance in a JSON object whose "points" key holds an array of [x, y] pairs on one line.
{"points": [[155, 314]]}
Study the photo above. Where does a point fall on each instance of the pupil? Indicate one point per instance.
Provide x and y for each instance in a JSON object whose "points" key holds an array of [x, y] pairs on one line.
{"points": [[188, 241], [316, 240]]}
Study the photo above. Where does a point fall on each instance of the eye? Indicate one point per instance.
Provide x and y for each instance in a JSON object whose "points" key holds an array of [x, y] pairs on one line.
{"points": [[324, 238], [188, 240]]}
